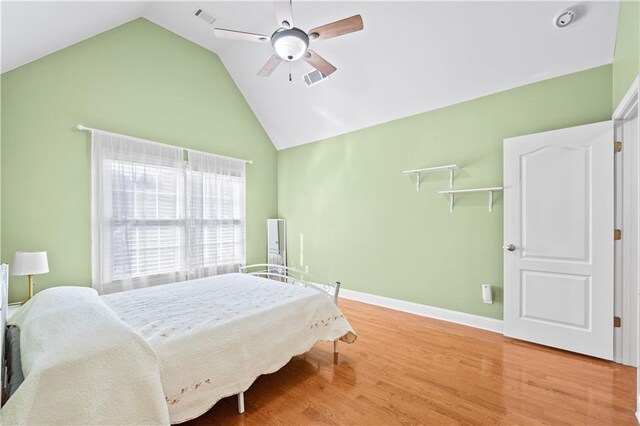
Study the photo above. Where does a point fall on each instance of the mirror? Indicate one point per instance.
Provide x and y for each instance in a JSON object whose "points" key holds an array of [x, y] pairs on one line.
{"points": [[277, 245]]}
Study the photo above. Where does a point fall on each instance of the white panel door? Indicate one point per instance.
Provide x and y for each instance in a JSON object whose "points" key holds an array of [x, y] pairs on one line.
{"points": [[558, 234]]}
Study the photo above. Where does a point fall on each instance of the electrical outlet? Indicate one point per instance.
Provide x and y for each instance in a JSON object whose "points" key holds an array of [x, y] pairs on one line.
{"points": [[306, 269]]}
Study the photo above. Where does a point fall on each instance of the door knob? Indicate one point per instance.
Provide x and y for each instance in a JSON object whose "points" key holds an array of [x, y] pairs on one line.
{"points": [[510, 247]]}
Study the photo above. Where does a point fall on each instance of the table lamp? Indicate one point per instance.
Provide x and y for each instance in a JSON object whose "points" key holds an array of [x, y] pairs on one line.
{"points": [[30, 263]]}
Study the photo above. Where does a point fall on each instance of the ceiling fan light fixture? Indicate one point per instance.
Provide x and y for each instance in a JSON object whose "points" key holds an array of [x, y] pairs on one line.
{"points": [[290, 44]]}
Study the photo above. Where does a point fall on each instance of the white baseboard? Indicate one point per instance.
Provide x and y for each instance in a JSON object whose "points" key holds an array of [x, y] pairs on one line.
{"points": [[477, 321]]}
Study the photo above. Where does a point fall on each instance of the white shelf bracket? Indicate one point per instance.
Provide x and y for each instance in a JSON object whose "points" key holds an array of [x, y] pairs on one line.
{"points": [[489, 190], [451, 196], [418, 172]]}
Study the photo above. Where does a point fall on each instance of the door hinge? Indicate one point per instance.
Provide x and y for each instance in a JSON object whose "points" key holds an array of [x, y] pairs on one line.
{"points": [[617, 234], [617, 146], [617, 322]]}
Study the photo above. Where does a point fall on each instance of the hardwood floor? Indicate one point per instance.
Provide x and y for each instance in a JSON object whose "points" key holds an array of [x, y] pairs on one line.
{"points": [[406, 369]]}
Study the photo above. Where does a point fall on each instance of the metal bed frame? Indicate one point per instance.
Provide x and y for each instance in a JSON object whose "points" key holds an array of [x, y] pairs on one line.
{"points": [[289, 275]]}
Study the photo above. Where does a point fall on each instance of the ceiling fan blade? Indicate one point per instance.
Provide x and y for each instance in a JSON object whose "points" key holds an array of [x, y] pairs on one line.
{"points": [[240, 35], [271, 65], [344, 26], [284, 13], [319, 63]]}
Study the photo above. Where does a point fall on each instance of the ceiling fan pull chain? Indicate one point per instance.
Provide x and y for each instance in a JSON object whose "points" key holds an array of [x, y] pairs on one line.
{"points": [[290, 72]]}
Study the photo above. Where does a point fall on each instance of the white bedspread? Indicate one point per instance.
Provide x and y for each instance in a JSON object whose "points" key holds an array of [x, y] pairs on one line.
{"points": [[82, 365], [214, 336]]}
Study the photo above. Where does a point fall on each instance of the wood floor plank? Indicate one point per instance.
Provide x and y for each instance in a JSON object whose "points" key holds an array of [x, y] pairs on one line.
{"points": [[406, 369]]}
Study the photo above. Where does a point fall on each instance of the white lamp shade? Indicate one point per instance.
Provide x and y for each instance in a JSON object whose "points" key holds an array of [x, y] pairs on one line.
{"points": [[30, 263]]}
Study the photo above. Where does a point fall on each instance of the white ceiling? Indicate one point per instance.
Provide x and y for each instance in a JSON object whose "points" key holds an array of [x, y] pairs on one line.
{"points": [[411, 57], [31, 30]]}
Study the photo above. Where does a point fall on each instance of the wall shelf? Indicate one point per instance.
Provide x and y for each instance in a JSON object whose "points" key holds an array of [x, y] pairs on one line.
{"points": [[418, 172], [490, 190]]}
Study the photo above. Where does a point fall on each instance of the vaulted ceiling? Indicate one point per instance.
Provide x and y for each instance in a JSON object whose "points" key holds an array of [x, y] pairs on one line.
{"points": [[411, 57]]}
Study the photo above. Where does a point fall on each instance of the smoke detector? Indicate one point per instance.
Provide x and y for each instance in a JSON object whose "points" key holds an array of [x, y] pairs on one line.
{"points": [[564, 18]]}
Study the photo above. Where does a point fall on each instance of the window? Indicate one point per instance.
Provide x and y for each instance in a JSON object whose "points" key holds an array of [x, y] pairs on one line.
{"points": [[163, 214], [216, 214], [147, 224]]}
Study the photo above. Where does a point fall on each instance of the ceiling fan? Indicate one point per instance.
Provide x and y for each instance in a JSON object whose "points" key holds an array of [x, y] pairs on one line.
{"points": [[291, 43]]}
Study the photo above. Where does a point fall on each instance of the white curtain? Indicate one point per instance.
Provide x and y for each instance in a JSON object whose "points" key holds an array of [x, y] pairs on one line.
{"points": [[138, 192], [216, 214], [157, 218]]}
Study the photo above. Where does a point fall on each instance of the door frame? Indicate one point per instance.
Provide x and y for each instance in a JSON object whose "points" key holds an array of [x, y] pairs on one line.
{"points": [[627, 251]]}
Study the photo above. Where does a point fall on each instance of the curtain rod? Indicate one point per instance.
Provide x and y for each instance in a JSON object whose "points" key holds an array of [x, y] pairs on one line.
{"points": [[90, 129]]}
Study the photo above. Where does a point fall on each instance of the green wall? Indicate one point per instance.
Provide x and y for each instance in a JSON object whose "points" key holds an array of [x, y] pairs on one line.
{"points": [[626, 59], [353, 217], [137, 79]]}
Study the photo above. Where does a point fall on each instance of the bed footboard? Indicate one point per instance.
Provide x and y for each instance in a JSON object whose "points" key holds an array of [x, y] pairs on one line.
{"points": [[291, 275], [285, 274]]}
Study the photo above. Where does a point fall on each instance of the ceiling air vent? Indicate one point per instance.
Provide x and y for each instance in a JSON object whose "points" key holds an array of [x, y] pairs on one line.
{"points": [[205, 16], [313, 77]]}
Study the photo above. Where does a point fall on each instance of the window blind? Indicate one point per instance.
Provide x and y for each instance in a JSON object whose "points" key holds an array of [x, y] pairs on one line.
{"points": [[161, 217]]}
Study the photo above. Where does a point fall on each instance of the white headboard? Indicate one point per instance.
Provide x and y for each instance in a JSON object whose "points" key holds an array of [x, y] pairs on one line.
{"points": [[4, 302]]}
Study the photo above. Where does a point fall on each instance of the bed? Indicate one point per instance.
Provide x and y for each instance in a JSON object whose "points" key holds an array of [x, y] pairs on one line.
{"points": [[165, 354]]}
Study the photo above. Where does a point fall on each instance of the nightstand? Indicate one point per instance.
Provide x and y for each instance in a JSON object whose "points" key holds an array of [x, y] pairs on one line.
{"points": [[12, 309]]}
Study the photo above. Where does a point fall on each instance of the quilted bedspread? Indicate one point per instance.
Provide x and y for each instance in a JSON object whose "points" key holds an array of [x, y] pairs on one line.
{"points": [[82, 365], [214, 336]]}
